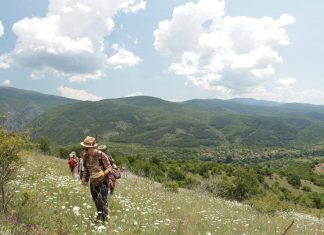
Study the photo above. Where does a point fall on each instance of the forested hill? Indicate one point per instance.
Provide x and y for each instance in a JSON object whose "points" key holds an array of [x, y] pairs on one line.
{"points": [[23, 106], [152, 121]]}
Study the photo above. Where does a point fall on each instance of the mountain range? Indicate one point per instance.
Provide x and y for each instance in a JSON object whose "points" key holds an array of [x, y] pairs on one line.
{"points": [[153, 121]]}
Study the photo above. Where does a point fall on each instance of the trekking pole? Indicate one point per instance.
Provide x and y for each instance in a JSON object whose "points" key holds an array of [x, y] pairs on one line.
{"points": [[288, 227]]}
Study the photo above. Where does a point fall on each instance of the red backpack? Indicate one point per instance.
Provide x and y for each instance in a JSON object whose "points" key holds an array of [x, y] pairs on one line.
{"points": [[72, 163]]}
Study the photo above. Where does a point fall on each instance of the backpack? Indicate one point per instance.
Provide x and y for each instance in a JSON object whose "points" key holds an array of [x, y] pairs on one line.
{"points": [[115, 174], [72, 162]]}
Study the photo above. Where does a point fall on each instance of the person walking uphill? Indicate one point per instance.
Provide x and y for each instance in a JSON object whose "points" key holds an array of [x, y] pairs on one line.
{"points": [[93, 171]]}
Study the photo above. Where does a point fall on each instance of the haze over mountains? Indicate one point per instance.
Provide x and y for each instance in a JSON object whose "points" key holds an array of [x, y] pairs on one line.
{"points": [[153, 121]]}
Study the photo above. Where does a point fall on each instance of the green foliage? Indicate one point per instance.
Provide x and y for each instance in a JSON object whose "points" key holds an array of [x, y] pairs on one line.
{"points": [[44, 144], [64, 151], [318, 200], [298, 169], [171, 186], [10, 145], [241, 185], [245, 183], [176, 174], [294, 180]]}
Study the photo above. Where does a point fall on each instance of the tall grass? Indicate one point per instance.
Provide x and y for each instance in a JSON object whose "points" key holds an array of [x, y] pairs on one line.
{"points": [[49, 201]]}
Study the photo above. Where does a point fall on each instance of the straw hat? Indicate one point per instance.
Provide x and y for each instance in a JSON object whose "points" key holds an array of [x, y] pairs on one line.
{"points": [[89, 142], [102, 147]]}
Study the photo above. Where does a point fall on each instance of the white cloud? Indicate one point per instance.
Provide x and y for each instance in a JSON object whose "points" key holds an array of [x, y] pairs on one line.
{"points": [[217, 52], [133, 8], [312, 96], [4, 61], [77, 94], [123, 58], [286, 81], [70, 38], [6, 82], [137, 93], [87, 76], [263, 72], [184, 30], [288, 94], [1, 29]]}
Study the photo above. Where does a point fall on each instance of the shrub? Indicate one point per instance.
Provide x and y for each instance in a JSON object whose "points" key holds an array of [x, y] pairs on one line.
{"points": [[10, 145], [318, 200], [221, 185], [172, 186], [294, 180], [176, 174], [44, 145], [245, 183]]}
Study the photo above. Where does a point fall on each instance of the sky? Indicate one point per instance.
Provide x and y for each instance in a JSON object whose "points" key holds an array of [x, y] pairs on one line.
{"points": [[172, 49]]}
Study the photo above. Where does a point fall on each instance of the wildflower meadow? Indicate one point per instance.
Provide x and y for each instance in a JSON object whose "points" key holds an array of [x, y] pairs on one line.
{"points": [[48, 200]]}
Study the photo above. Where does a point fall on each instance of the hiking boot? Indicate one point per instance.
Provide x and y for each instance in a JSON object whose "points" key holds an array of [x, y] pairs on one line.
{"points": [[101, 219]]}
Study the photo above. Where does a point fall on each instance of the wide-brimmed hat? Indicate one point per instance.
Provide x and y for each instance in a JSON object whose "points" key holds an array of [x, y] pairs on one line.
{"points": [[89, 142], [102, 147]]}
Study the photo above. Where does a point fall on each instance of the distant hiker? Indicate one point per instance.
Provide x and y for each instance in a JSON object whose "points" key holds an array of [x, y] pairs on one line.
{"points": [[96, 168], [80, 167], [76, 159], [112, 179], [72, 163]]}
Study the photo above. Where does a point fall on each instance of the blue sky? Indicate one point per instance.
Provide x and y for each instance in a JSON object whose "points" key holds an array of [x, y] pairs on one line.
{"points": [[172, 49]]}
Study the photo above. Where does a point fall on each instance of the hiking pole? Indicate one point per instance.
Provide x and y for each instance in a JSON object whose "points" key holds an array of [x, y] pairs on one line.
{"points": [[288, 227]]}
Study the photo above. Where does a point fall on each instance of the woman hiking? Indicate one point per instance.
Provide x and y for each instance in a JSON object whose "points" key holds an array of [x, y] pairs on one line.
{"points": [[96, 169]]}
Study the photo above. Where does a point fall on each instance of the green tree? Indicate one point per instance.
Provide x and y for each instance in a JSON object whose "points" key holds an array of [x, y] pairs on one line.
{"points": [[10, 145], [44, 144], [245, 183]]}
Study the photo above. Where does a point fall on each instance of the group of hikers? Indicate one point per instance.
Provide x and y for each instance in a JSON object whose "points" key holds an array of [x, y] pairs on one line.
{"points": [[96, 166]]}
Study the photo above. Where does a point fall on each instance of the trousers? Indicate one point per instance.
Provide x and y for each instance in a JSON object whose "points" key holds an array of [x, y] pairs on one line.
{"points": [[99, 195]]}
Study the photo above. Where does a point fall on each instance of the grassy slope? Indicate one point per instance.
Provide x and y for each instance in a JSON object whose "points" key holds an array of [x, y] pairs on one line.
{"points": [[47, 195]]}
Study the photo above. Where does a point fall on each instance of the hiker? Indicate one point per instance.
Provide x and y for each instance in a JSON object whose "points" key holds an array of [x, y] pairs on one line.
{"points": [[112, 180], [96, 170], [80, 167], [72, 163], [76, 160]]}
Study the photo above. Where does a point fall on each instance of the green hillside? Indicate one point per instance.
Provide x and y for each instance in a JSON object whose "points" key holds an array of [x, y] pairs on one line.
{"points": [[48, 201], [152, 121], [23, 106]]}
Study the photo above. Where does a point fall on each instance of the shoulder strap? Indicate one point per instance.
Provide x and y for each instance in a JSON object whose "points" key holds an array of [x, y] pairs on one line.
{"points": [[100, 160]]}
